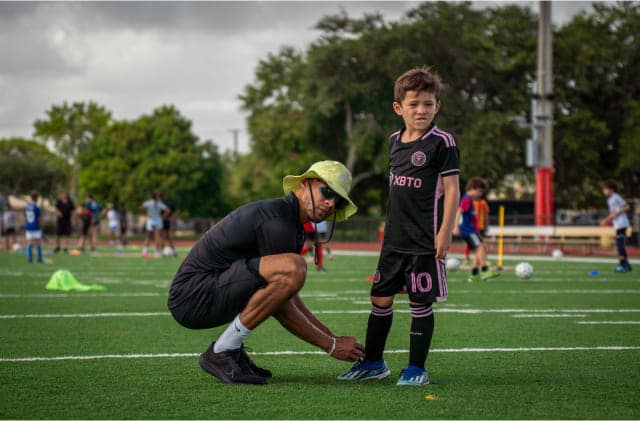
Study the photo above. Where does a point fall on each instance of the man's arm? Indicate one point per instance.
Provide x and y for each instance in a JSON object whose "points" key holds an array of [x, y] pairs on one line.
{"points": [[451, 198], [298, 319]]}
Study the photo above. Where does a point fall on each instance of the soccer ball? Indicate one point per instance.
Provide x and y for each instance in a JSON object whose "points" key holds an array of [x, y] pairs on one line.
{"points": [[16, 247], [524, 270], [168, 252], [557, 254], [453, 264]]}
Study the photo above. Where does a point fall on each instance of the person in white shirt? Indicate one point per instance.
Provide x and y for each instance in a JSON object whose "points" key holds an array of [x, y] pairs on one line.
{"points": [[114, 223], [155, 211], [617, 217]]}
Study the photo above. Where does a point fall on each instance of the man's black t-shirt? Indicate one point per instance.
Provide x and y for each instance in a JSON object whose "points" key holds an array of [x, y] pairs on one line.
{"points": [[66, 209], [414, 214], [253, 230]]}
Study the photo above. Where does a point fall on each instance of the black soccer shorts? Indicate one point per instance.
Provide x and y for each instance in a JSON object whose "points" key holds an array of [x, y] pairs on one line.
{"points": [[203, 300], [473, 240], [423, 275]]}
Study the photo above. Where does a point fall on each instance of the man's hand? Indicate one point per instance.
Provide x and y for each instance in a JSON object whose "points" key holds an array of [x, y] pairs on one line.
{"points": [[347, 349], [443, 241]]}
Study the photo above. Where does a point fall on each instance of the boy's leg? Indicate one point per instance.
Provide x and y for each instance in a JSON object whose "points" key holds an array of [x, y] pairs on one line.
{"points": [[39, 249], [427, 284], [622, 251], [388, 280], [30, 251]]}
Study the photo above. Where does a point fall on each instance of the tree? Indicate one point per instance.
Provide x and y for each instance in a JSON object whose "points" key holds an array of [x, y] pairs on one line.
{"points": [[26, 165], [156, 152], [71, 128]]}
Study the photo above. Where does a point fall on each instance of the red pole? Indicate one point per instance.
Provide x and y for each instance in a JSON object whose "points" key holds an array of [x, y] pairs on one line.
{"points": [[544, 196]]}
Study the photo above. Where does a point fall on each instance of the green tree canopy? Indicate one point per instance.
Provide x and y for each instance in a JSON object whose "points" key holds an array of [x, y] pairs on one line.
{"points": [[71, 128], [156, 152], [26, 165], [334, 99]]}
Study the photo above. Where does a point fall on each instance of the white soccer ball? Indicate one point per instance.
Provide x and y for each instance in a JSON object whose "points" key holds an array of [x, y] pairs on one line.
{"points": [[557, 254], [453, 264], [167, 251], [16, 247], [524, 270]]}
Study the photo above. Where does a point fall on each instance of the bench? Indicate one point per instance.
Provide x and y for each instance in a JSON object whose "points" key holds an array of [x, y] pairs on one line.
{"points": [[547, 238]]}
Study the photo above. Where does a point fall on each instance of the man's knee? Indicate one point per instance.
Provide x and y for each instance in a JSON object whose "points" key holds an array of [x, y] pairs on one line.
{"points": [[289, 270]]}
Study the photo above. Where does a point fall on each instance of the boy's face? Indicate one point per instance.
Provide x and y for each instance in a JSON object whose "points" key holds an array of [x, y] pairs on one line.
{"points": [[417, 109], [607, 191], [475, 193]]}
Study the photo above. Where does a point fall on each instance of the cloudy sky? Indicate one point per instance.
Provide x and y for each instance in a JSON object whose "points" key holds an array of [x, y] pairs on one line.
{"points": [[132, 57]]}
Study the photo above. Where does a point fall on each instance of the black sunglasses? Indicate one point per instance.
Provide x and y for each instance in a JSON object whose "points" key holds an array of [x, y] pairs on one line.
{"points": [[328, 193]]}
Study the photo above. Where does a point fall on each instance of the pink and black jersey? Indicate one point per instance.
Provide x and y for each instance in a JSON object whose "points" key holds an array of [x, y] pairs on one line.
{"points": [[416, 191]]}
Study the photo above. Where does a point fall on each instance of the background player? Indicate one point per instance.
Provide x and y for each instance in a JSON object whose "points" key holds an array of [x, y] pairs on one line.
{"points": [[423, 194], [467, 229], [33, 232], [168, 248], [64, 212], [153, 225], [618, 209]]}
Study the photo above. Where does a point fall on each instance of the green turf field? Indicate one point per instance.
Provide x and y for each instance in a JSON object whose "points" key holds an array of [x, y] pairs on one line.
{"points": [[562, 345]]}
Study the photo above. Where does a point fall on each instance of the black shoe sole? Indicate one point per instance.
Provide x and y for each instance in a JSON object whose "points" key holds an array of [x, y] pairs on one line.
{"points": [[215, 371]]}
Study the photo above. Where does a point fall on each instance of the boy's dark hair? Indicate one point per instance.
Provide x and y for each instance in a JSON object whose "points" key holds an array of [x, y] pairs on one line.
{"points": [[418, 79], [610, 184], [477, 183], [34, 195]]}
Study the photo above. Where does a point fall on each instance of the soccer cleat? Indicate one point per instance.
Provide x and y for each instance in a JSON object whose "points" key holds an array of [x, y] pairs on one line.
{"points": [[229, 367], [488, 274], [413, 376], [366, 370], [474, 278], [262, 372], [622, 269]]}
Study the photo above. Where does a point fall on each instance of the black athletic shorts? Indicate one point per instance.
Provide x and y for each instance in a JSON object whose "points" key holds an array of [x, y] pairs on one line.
{"points": [[63, 227], [166, 224], [86, 223], [309, 236], [473, 240], [423, 275], [200, 300]]}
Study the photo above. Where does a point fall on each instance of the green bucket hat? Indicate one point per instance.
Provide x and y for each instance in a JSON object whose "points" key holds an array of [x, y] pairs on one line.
{"points": [[336, 175]]}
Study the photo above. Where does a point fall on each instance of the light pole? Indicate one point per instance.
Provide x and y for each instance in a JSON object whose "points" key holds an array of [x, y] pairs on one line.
{"points": [[543, 123]]}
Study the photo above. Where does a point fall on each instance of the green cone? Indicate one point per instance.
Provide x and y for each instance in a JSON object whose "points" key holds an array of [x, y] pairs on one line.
{"points": [[63, 280]]}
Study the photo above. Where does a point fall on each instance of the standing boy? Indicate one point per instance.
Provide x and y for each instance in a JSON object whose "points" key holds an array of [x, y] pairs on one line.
{"points": [[468, 229], [618, 209], [33, 233], [423, 194]]}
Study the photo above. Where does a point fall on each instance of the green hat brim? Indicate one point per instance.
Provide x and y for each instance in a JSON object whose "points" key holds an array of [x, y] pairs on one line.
{"points": [[330, 173]]}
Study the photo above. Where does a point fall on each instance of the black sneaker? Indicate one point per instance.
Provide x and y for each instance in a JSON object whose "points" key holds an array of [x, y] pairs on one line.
{"points": [[229, 367], [262, 372]]}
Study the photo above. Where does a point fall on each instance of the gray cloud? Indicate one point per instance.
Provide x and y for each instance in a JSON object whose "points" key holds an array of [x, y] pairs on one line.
{"points": [[132, 57]]}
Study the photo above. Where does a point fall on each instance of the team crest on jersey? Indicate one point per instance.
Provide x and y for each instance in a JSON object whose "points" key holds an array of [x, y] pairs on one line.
{"points": [[418, 158], [376, 277]]}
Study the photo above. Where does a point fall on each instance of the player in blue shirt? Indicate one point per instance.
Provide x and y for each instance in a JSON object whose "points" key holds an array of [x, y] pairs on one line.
{"points": [[90, 222], [33, 232], [617, 217], [468, 229]]}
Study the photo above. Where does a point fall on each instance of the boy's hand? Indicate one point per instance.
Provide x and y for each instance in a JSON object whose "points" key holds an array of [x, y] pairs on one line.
{"points": [[443, 241]]}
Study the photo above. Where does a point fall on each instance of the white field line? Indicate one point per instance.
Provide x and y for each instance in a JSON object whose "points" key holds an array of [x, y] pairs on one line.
{"points": [[298, 353], [363, 311], [613, 322], [492, 256], [83, 295], [525, 316]]}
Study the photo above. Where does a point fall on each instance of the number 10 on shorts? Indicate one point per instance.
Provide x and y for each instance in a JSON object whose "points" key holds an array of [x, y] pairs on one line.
{"points": [[421, 282]]}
